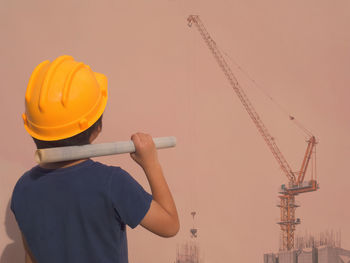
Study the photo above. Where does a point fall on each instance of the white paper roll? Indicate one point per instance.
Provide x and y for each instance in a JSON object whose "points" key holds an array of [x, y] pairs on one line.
{"points": [[68, 153]]}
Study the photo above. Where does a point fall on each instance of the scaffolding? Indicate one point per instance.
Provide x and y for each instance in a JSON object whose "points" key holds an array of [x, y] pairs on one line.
{"points": [[188, 252], [324, 247], [328, 238]]}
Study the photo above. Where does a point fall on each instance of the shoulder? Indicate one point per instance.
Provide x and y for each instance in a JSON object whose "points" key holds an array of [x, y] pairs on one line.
{"points": [[115, 175], [23, 179], [111, 170]]}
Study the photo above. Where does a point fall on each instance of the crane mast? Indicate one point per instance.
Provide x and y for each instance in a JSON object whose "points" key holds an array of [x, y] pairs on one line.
{"points": [[295, 185]]}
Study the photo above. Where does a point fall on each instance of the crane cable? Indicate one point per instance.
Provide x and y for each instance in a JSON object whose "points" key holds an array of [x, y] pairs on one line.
{"points": [[296, 122], [290, 116]]}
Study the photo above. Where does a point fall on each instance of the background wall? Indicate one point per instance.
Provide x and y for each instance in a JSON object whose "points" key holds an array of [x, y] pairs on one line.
{"points": [[164, 81]]}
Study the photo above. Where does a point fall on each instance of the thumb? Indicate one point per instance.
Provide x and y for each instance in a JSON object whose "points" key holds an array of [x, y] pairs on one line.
{"points": [[135, 139]]}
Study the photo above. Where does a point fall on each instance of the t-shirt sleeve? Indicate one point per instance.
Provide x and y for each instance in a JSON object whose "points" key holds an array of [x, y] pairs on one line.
{"points": [[12, 205], [14, 195], [129, 198]]}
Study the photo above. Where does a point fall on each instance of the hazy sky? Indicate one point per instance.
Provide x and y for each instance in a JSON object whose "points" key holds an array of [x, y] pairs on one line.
{"points": [[164, 81]]}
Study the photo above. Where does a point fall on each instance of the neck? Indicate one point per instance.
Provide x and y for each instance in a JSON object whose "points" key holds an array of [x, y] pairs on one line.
{"points": [[60, 164]]}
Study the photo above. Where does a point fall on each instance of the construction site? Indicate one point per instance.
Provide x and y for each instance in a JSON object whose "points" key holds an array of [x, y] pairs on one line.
{"points": [[324, 247]]}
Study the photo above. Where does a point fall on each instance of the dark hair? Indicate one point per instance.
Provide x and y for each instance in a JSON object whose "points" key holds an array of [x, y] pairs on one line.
{"points": [[79, 139]]}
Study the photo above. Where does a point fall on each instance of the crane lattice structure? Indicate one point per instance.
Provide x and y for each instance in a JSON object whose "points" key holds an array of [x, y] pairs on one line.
{"points": [[296, 184]]}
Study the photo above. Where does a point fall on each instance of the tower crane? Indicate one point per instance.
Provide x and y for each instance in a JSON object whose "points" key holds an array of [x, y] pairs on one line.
{"points": [[296, 184]]}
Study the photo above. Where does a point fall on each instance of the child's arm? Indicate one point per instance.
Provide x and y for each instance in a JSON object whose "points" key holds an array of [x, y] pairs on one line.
{"points": [[161, 218]]}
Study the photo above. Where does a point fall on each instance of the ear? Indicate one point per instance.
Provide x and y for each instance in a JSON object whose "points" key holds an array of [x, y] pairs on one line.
{"points": [[99, 128], [95, 133]]}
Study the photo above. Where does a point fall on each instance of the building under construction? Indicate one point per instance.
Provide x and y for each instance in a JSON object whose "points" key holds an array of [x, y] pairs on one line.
{"points": [[188, 252], [323, 248]]}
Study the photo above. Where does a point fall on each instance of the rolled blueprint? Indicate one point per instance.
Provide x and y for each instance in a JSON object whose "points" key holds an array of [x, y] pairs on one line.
{"points": [[68, 153]]}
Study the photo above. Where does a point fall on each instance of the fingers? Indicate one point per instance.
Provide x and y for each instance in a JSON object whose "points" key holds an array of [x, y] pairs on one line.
{"points": [[145, 150], [141, 139], [135, 138]]}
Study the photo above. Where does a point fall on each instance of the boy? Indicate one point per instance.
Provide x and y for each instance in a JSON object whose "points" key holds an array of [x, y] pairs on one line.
{"points": [[77, 211]]}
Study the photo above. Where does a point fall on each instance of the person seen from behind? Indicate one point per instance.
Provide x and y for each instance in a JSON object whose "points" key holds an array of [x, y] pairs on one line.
{"points": [[77, 211]]}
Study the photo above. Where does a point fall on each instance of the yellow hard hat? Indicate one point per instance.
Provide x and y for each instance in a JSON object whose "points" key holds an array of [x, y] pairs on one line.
{"points": [[63, 98]]}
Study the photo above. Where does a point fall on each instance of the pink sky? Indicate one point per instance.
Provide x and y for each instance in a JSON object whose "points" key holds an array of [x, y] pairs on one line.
{"points": [[164, 81]]}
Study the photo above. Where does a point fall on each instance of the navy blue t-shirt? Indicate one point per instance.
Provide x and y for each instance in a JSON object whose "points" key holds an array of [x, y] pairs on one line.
{"points": [[79, 213]]}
